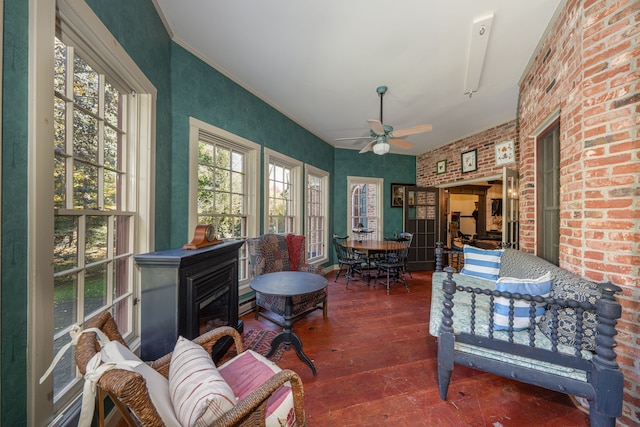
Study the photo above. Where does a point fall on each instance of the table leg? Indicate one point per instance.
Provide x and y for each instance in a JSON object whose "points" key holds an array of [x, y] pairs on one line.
{"points": [[288, 337]]}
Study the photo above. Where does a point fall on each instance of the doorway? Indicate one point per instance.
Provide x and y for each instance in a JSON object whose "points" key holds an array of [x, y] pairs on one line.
{"points": [[482, 212]]}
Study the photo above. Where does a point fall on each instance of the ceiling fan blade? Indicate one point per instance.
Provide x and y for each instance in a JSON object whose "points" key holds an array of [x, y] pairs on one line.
{"points": [[368, 147], [353, 138], [411, 130], [400, 143], [376, 126]]}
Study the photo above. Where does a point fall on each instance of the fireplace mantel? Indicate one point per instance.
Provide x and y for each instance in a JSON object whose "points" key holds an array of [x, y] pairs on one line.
{"points": [[174, 283]]}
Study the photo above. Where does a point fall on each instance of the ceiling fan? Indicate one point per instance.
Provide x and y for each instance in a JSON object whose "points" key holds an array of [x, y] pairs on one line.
{"points": [[383, 135]]}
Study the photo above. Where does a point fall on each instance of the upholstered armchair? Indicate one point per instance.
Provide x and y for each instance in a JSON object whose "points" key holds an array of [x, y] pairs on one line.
{"points": [[276, 252]]}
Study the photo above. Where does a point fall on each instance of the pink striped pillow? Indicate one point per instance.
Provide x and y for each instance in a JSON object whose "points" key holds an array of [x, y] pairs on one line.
{"points": [[198, 392]]}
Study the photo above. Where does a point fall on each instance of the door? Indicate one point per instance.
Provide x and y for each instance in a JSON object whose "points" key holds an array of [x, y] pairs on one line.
{"points": [[510, 208], [421, 219]]}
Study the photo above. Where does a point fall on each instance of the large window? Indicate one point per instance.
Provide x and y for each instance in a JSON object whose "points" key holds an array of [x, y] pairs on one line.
{"points": [[283, 193], [226, 186], [92, 225], [317, 214], [365, 207], [102, 108]]}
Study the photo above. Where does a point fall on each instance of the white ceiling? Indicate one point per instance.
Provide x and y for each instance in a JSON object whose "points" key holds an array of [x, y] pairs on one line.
{"points": [[320, 62]]}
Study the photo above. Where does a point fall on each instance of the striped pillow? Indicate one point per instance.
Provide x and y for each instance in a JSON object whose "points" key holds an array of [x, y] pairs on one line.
{"points": [[482, 263], [540, 286], [198, 392]]}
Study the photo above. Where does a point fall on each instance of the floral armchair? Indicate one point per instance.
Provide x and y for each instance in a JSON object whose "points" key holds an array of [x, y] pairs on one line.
{"points": [[277, 252]]}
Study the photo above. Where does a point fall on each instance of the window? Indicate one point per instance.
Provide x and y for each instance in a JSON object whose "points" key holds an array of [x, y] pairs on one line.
{"points": [[92, 255], [365, 206], [225, 195], [317, 214], [548, 194], [283, 193], [102, 108]]}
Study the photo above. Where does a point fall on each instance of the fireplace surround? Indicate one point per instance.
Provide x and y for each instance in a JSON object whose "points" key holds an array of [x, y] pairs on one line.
{"points": [[187, 292]]}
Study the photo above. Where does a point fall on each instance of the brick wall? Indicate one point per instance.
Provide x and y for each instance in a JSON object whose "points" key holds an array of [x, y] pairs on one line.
{"points": [[483, 142], [588, 69]]}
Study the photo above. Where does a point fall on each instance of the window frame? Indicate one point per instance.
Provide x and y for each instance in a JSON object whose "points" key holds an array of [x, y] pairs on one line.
{"points": [[81, 28], [324, 177], [252, 184], [379, 183], [296, 167]]}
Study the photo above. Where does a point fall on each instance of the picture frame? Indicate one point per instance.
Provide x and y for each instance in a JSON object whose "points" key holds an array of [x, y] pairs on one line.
{"points": [[397, 194], [469, 160], [441, 167], [505, 153]]}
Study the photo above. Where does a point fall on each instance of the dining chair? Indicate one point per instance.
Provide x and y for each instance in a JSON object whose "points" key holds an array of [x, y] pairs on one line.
{"points": [[393, 264], [347, 257], [406, 236]]}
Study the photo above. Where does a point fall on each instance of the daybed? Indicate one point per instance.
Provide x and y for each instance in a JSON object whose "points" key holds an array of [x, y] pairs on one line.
{"points": [[566, 346]]}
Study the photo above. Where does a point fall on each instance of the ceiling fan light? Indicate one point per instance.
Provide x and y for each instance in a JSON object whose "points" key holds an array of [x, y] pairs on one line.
{"points": [[381, 148]]}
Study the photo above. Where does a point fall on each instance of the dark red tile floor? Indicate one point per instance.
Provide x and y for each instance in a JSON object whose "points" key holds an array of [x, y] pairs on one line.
{"points": [[377, 365]]}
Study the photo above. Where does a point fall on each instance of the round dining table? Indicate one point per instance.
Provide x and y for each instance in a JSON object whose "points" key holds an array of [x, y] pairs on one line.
{"points": [[371, 247]]}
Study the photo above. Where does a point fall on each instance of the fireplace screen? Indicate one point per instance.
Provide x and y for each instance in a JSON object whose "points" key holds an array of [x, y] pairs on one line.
{"points": [[213, 311]]}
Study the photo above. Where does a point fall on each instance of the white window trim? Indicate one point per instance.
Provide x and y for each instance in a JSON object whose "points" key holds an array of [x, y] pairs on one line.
{"points": [[77, 18], [253, 179], [296, 178], [379, 182], [324, 176]]}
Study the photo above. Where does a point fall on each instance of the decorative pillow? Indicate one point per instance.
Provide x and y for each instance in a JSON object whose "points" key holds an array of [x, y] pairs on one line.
{"points": [[198, 392], [157, 385], [568, 286], [482, 263], [280, 405], [540, 286]]}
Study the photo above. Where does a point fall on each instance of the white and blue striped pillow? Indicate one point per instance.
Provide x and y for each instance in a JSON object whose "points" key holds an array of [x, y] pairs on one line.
{"points": [[482, 262], [540, 286]]}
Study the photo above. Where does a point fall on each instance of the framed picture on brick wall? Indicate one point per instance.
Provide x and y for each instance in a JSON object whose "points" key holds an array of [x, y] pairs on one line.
{"points": [[505, 153], [441, 167], [469, 161]]}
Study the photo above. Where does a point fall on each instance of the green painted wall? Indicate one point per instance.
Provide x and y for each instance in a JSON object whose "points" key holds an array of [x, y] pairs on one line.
{"points": [[209, 96], [186, 87], [394, 168], [14, 212], [138, 28]]}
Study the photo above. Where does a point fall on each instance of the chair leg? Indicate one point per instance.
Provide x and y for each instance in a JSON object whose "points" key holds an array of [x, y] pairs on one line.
{"points": [[339, 271]]}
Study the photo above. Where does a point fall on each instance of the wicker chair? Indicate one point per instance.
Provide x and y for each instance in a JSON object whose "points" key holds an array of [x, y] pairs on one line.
{"points": [[128, 389], [276, 252]]}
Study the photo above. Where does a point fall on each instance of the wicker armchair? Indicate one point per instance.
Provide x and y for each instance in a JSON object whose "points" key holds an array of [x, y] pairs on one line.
{"points": [[128, 389], [276, 252]]}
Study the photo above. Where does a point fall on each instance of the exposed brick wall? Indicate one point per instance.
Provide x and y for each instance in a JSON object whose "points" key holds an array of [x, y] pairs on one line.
{"points": [[588, 68], [484, 142]]}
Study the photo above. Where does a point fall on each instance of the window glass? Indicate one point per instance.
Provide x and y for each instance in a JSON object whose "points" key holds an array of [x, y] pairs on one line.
{"points": [[317, 214], [365, 208], [92, 229]]}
